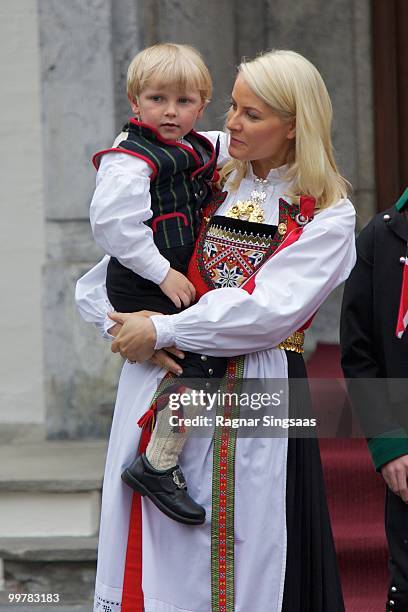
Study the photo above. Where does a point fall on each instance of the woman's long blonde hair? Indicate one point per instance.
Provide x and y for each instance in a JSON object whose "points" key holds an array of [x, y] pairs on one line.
{"points": [[294, 89]]}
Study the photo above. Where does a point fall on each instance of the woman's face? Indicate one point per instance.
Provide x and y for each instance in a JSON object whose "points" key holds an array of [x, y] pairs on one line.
{"points": [[258, 134]]}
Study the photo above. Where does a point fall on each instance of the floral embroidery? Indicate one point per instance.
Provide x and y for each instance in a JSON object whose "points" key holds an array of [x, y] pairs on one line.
{"points": [[225, 276], [210, 249], [255, 257]]}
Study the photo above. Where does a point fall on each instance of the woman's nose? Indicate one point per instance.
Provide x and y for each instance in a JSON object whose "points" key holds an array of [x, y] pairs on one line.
{"points": [[232, 121]]}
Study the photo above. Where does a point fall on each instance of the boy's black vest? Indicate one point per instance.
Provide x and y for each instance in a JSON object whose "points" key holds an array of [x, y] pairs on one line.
{"points": [[179, 189]]}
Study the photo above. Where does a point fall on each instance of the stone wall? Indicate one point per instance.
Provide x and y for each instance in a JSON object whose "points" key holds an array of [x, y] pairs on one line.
{"points": [[85, 50], [22, 225], [78, 102]]}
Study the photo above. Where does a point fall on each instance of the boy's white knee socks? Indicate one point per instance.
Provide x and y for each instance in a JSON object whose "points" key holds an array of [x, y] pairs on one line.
{"points": [[165, 444]]}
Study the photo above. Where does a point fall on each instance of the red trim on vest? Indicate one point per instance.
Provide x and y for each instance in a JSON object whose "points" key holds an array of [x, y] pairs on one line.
{"points": [[96, 160], [168, 216], [212, 158], [307, 206], [174, 143], [216, 176]]}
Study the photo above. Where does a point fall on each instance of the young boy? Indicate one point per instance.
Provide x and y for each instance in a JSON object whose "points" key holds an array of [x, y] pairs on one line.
{"points": [[145, 213]]}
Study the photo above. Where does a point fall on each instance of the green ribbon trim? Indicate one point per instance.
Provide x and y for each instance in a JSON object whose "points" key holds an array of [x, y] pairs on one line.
{"points": [[388, 446]]}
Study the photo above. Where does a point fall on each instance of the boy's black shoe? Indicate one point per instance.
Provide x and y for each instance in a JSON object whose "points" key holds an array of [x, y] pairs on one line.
{"points": [[167, 489]]}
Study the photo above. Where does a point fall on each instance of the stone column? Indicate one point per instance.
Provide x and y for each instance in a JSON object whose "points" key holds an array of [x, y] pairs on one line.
{"points": [[21, 227], [78, 119], [210, 27], [335, 36]]}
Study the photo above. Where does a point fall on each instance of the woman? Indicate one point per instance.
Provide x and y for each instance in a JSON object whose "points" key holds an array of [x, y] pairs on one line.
{"points": [[276, 551]]}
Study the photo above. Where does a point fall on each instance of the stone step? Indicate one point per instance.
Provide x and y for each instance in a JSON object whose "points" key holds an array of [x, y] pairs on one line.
{"points": [[52, 466], [49, 549], [51, 489], [63, 566]]}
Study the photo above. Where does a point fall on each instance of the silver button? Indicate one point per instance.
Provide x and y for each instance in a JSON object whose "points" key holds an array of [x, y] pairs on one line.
{"points": [[402, 260], [391, 602], [196, 195], [207, 385], [201, 192], [393, 589], [203, 357], [386, 217], [211, 371]]}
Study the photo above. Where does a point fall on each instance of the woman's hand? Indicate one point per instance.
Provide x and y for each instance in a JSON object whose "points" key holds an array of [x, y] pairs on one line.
{"points": [[163, 359], [137, 337], [113, 331]]}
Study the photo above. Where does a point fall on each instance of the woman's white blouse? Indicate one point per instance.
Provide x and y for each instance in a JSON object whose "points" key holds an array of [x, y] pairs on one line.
{"points": [[290, 287], [121, 204]]}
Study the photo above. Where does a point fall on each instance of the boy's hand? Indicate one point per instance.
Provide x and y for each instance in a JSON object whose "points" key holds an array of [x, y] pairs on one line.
{"points": [[178, 288]]}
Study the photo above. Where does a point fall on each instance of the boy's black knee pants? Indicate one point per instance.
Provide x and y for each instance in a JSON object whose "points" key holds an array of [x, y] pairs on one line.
{"points": [[129, 292]]}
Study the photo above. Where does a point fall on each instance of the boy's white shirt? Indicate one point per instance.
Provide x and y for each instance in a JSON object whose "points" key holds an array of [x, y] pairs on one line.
{"points": [[121, 204]]}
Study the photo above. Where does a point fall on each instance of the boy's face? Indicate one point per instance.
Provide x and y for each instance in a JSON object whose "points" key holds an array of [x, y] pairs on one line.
{"points": [[172, 112]]}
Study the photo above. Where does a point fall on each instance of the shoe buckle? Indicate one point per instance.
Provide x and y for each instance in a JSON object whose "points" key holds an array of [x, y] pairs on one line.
{"points": [[178, 479]]}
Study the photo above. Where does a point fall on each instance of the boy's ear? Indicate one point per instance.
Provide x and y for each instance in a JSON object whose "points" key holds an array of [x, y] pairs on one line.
{"points": [[134, 105], [202, 109]]}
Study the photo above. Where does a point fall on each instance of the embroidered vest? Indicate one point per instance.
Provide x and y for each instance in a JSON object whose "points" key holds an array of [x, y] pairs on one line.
{"points": [[180, 181], [230, 252]]}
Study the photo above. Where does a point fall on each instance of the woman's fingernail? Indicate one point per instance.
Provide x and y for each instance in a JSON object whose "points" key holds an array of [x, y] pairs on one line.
{"points": [[178, 372]]}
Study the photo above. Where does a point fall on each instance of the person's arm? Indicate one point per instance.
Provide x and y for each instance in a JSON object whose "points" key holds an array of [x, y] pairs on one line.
{"points": [[290, 287], [120, 206], [367, 388], [94, 306], [92, 300]]}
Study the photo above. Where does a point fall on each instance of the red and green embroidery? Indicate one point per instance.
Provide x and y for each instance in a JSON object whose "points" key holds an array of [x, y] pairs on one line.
{"points": [[219, 252], [223, 496]]}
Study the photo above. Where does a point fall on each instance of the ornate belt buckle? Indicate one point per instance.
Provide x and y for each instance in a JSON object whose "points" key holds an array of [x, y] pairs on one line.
{"points": [[178, 479]]}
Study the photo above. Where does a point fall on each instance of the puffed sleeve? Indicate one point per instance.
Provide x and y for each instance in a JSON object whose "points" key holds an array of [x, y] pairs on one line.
{"points": [[120, 205], [223, 155], [92, 300], [290, 287]]}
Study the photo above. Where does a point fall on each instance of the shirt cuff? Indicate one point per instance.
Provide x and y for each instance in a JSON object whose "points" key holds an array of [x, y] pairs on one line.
{"points": [[164, 331], [388, 446], [157, 272], [107, 324]]}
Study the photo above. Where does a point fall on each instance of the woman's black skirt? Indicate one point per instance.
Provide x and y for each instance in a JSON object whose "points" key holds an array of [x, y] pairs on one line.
{"points": [[312, 582]]}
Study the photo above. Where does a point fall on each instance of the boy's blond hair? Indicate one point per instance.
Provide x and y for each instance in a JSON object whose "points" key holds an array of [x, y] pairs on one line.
{"points": [[169, 64]]}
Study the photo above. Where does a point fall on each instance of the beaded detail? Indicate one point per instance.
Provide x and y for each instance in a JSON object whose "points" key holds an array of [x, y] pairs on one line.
{"points": [[106, 605]]}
